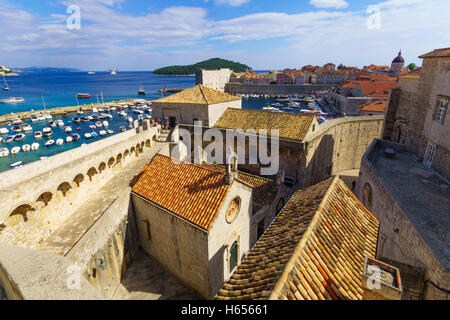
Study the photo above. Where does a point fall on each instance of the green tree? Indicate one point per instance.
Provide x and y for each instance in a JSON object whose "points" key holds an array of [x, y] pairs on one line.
{"points": [[411, 66]]}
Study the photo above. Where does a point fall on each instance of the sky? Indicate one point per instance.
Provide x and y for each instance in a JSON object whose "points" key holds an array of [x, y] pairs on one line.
{"points": [[264, 34]]}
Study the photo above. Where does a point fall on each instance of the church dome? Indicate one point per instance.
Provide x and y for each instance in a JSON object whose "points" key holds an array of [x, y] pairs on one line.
{"points": [[399, 58]]}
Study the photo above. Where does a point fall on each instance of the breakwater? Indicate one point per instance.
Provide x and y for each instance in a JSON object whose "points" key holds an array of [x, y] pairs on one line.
{"points": [[273, 89]]}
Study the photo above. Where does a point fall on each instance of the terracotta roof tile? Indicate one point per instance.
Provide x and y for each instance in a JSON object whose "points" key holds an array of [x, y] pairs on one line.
{"points": [[378, 89], [437, 53], [193, 192], [291, 126], [314, 249], [375, 106], [198, 95]]}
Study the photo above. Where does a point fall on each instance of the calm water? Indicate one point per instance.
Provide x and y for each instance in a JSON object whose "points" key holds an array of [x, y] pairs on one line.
{"points": [[60, 89]]}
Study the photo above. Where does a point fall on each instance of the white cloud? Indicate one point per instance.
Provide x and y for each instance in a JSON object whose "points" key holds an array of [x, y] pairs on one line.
{"points": [[234, 3], [338, 4], [111, 38]]}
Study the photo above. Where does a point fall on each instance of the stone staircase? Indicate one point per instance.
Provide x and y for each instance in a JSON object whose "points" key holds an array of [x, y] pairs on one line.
{"points": [[164, 136]]}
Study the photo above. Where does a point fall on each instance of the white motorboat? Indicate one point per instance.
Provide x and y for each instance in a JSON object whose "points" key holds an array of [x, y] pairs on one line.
{"points": [[41, 118], [4, 131], [16, 121], [98, 124], [15, 150], [19, 137], [43, 158], [34, 118], [59, 142], [130, 119], [105, 124], [12, 100], [47, 132], [49, 143], [69, 139], [269, 108], [26, 147], [16, 164], [4, 152], [48, 116], [87, 135], [93, 126], [68, 130], [38, 134], [27, 127], [110, 131], [94, 110], [59, 122], [35, 146], [102, 132]]}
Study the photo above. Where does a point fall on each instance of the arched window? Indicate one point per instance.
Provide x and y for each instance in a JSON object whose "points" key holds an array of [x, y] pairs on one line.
{"points": [[233, 256], [367, 196]]}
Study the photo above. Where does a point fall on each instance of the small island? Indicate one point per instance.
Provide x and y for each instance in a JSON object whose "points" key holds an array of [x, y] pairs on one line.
{"points": [[211, 64], [4, 71]]}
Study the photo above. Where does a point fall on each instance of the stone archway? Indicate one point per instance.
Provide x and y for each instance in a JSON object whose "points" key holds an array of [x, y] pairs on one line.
{"points": [[45, 198], [101, 167], [78, 180], [18, 215], [111, 162], [148, 143], [64, 188], [91, 173]]}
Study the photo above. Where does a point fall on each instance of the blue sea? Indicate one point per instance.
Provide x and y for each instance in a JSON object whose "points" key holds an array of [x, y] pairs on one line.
{"points": [[60, 90]]}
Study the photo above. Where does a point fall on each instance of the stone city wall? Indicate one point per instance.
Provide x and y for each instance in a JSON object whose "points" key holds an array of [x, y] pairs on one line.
{"points": [[273, 89], [40, 196]]}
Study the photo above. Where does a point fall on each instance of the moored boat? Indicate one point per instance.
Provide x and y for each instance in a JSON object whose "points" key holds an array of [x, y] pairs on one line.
{"points": [[12, 100], [47, 131], [35, 146], [15, 150], [83, 96], [9, 139], [68, 130], [59, 142], [69, 139], [105, 124], [4, 152], [87, 135], [110, 131], [17, 128], [27, 127], [76, 137], [4, 131], [19, 137], [26, 147], [123, 129], [16, 164], [49, 143], [102, 132]]}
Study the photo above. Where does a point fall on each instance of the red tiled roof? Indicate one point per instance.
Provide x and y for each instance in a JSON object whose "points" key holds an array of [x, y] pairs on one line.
{"points": [[376, 77], [192, 192], [377, 89], [374, 106], [314, 249], [437, 53]]}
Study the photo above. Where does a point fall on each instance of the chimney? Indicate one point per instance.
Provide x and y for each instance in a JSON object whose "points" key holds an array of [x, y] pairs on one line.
{"points": [[380, 281]]}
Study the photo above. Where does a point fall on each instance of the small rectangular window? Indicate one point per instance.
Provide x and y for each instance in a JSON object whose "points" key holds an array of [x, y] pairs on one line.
{"points": [[147, 228], [430, 155], [441, 110]]}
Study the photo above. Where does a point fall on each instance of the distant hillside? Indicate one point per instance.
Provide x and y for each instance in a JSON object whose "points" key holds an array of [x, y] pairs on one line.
{"points": [[210, 64], [45, 70], [6, 71]]}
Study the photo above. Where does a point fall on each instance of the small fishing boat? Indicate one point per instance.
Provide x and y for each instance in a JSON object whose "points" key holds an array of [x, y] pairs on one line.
{"points": [[80, 112], [94, 109], [77, 119], [123, 129], [9, 139], [15, 150], [4, 152], [269, 108], [47, 132], [27, 127], [93, 126], [105, 124], [83, 96], [43, 158], [17, 121], [52, 124], [59, 122], [59, 142], [69, 139], [102, 132], [19, 137], [130, 119], [98, 124], [76, 137], [17, 128], [78, 128], [110, 131], [90, 118], [49, 143], [4, 131], [41, 118], [48, 116], [68, 130], [35, 146], [85, 119], [87, 135], [16, 164], [34, 118], [94, 134], [107, 115], [65, 115], [26, 147]]}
